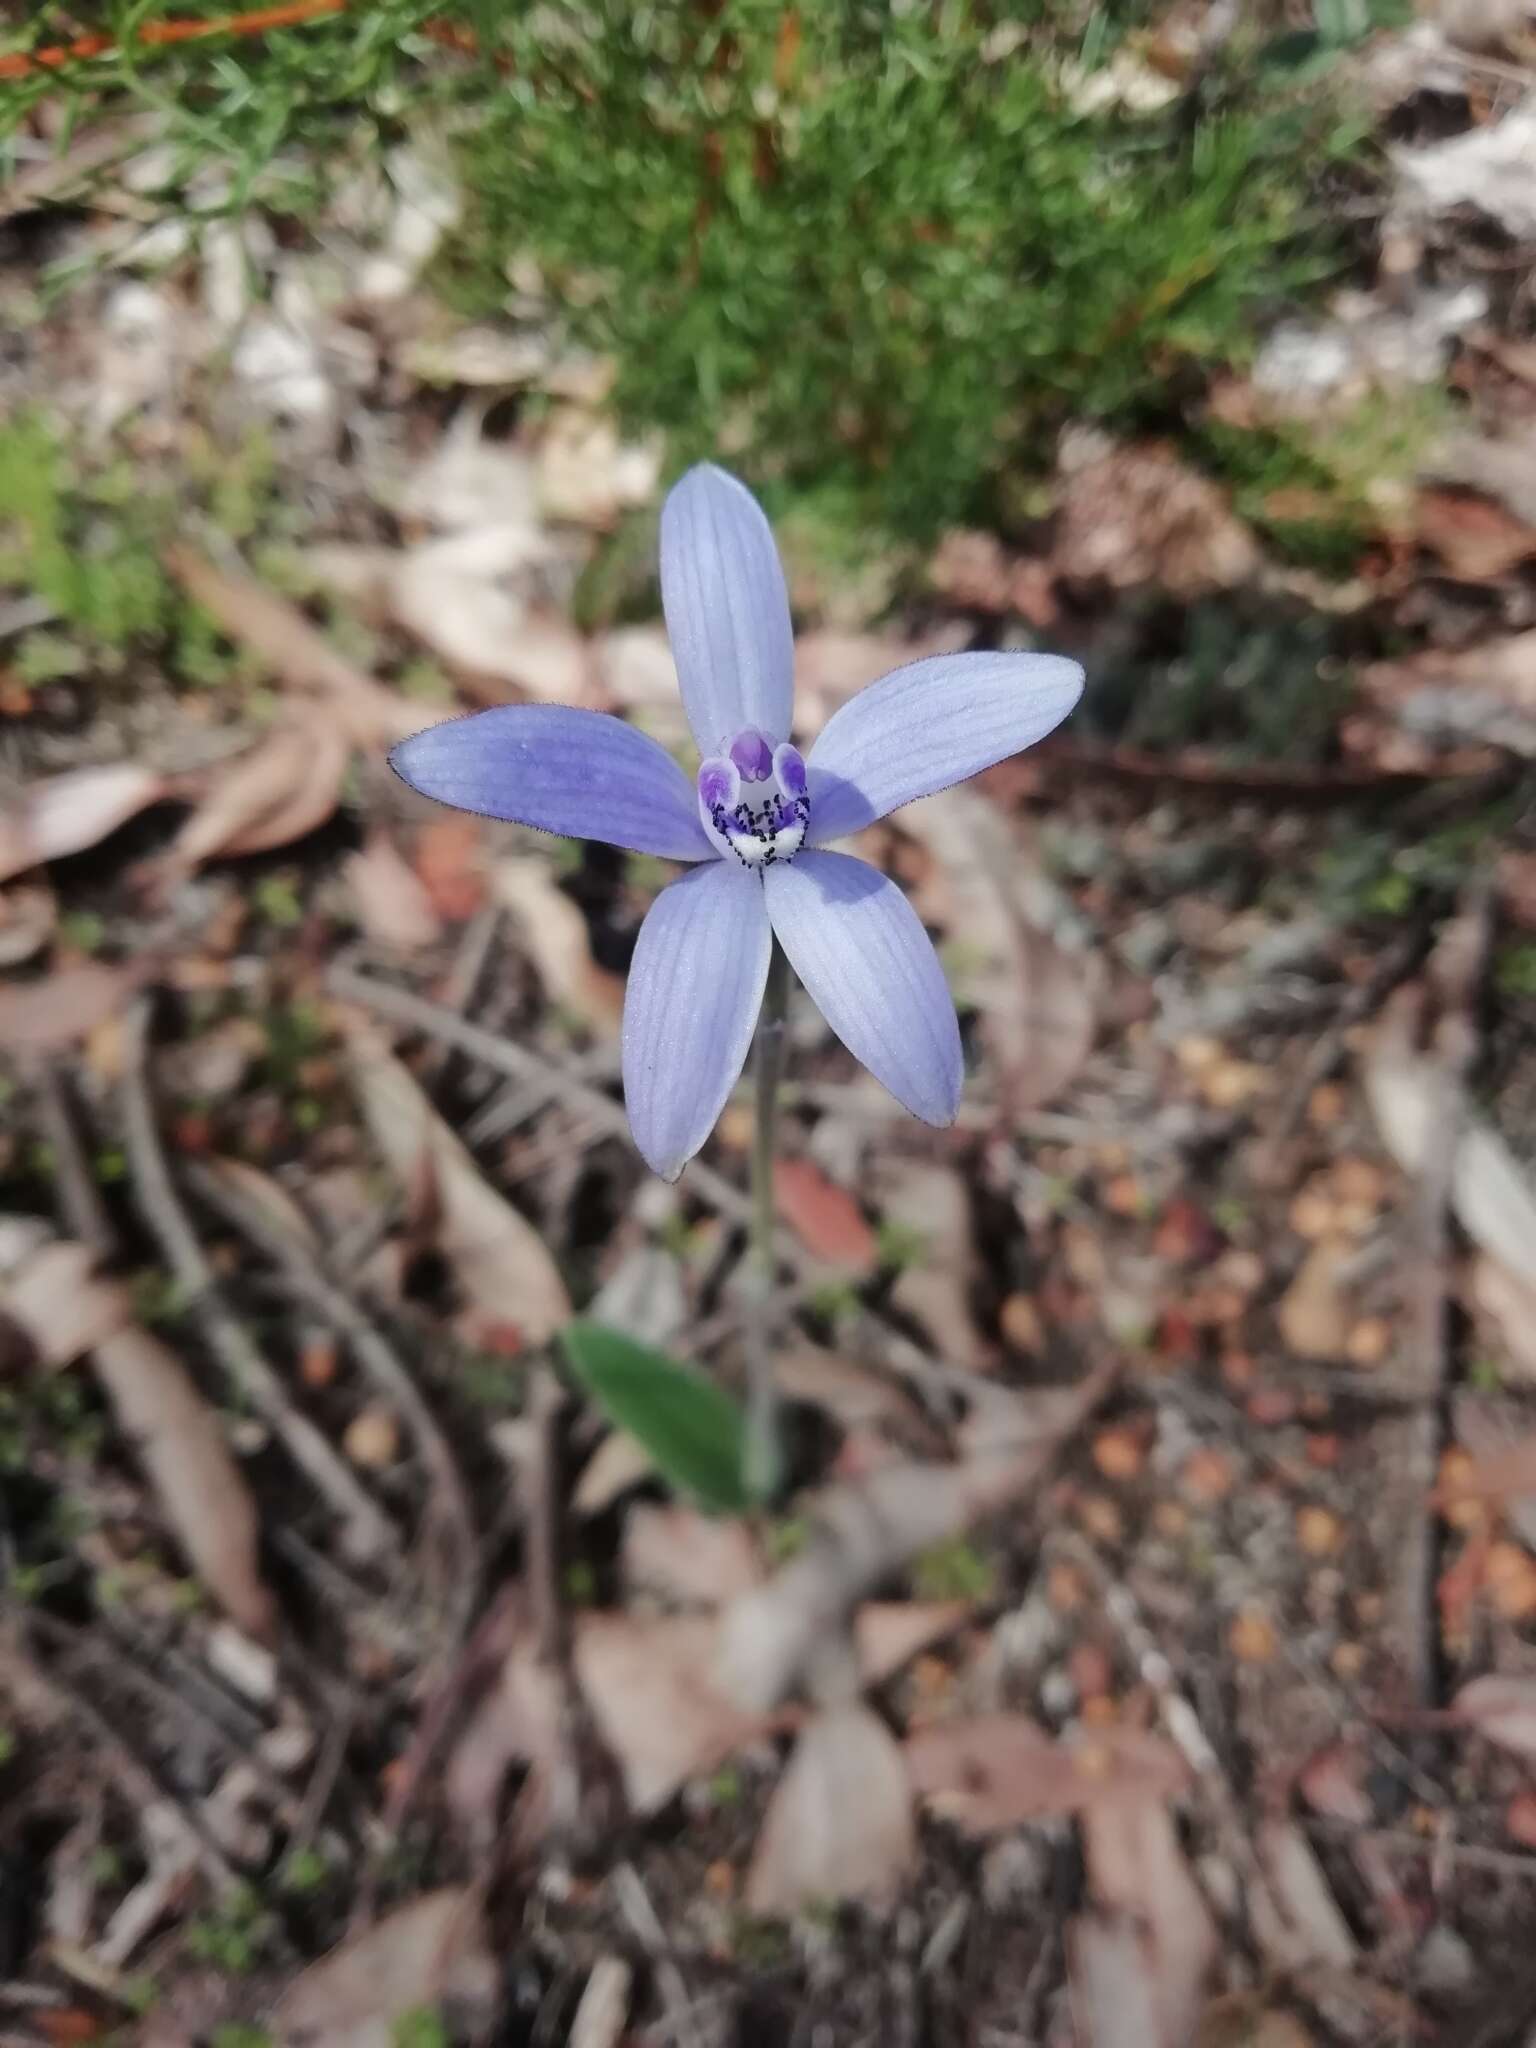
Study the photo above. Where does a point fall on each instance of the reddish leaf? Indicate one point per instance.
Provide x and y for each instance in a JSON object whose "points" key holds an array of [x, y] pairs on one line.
{"points": [[825, 1217]]}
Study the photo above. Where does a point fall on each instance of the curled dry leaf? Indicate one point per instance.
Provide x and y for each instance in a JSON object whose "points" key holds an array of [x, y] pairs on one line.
{"points": [[502, 1265], [839, 1824], [520, 1721], [248, 1184], [853, 1396], [393, 905], [285, 787], [371, 716], [430, 1954], [997, 1770], [1503, 1709], [177, 1439], [555, 933], [888, 1634], [67, 813], [63, 1007]]}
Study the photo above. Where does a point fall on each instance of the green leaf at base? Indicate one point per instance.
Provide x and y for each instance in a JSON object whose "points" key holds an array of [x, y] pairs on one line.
{"points": [[690, 1427]]}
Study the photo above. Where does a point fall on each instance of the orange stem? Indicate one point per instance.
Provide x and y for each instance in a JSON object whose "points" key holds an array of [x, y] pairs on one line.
{"points": [[257, 21]]}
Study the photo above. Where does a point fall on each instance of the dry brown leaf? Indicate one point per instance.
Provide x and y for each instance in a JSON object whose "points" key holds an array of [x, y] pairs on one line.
{"points": [[839, 1824], [371, 716], [863, 1531], [649, 1683], [67, 813], [393, 905], [63, 1007], [29, 918], [284, 788], [1136, 1867], [1503, 1709], [260, 1191], [598, 2021], [932, 1204], [856, 1398], [432, 1953], [176, 1436], [889, 1633], [1114, 1993], [502, 1265], [1313, 1929], [997, 1770], [449, 593], [1474, 537], [521, 1720], [693, 1560], [619, 1463], [1134, 515], [1507, 1302], [1493, 1201], [555, 933], [1315, 1314], [1036, 1001], [63, 1304], [825, 1217]]}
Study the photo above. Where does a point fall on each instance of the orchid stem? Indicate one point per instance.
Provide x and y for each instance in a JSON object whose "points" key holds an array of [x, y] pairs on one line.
{"points": [[762, 1451]]}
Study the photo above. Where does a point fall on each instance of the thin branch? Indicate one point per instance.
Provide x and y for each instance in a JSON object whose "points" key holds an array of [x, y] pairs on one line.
{"points": [[449, 1513], [368, 1531]]}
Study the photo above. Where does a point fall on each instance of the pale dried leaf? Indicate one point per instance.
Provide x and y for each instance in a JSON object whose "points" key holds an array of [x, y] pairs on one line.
{"points": [[598, 2021], [1503, 1709], [29, 917], [865, 1530], [1036, 1000], [63, 1304], [470, 483], [1314, 1929], [453, 594], [1136, 1867], [393, 904], [619, 1463], [855, 1397], [997, 1770], [1114, 1995], [432, 1952], [1494, 1202], [1129, 516], [840, 1822], [649, 1683], [520, 1721], [284, 788], [587, 475], [889, 1633], [502, 1265], [258, 1190], [67, 813], [1507, 1302], [372, 716], [644, 1296], [176, 1437], [555, 933], [932, 1204], [63, 1007], [690, 1559]]}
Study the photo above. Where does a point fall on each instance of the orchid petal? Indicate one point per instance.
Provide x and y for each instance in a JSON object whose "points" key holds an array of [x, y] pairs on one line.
{"points": [[695, 988], [727, 610], [929, 725], [870, 968], [563, 770]]}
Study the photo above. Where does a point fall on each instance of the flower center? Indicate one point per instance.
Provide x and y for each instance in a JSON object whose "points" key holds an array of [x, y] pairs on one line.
{"points": [[754, 800]]}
